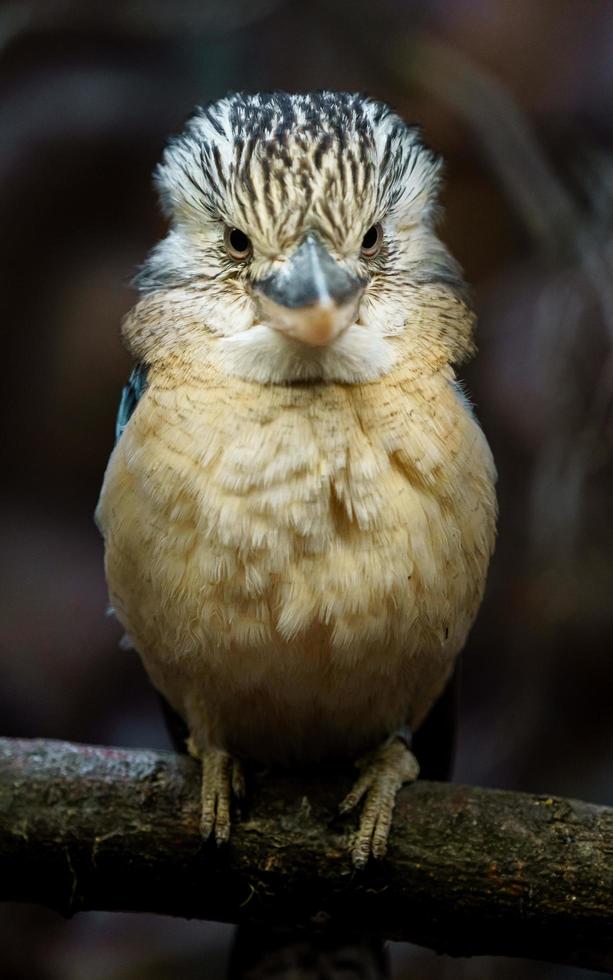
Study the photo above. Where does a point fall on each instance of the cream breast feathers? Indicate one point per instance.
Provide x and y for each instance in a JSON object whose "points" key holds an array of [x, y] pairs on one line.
{"points": [[262, 510]]}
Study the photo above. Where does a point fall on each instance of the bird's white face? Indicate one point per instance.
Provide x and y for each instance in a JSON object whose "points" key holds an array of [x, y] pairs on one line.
{"points": [[301, 239]]}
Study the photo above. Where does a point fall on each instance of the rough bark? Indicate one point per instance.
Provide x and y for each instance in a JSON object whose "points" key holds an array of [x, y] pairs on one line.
{"points": [[469, 871]]}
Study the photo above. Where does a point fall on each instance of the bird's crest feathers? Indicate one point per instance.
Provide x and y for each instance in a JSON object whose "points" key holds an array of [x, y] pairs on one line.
{"points": [[279, 167]]}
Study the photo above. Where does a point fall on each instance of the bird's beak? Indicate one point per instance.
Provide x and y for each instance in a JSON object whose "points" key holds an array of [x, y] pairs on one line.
{"points": [[312, 298]]}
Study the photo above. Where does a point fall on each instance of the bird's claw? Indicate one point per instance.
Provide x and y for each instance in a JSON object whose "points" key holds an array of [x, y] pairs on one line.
{"points": [[383, 773], [222, 779]]}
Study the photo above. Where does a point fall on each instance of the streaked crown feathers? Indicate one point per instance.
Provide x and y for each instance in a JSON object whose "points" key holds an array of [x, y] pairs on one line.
{"points": [[275, 161], [279, 167]]}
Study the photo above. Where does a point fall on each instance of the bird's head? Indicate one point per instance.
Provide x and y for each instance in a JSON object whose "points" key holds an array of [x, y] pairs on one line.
{"points": [[302, 244]]}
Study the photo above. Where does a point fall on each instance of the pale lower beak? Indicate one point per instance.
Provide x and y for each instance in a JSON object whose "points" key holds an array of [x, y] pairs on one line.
{"points": [[312, 299]]}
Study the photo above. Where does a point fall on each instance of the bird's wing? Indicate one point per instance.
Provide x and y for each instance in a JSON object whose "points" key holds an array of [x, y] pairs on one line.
{"points": [[130, 397]]}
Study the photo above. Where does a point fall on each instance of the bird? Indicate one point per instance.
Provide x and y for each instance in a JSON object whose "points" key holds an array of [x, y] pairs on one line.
{"points": [[300, 509]]}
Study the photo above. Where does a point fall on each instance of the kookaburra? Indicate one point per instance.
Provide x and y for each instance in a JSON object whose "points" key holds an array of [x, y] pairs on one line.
{"points": [[299, 511]]}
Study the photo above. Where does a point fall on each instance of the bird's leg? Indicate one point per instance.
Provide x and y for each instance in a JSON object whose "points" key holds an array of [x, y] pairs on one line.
{"points": [[222, 781], [384, 771]]}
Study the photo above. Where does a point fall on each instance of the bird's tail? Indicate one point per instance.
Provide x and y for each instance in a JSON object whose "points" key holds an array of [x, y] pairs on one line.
{"points": [[283, 954], [262, 952], [270, 953]]}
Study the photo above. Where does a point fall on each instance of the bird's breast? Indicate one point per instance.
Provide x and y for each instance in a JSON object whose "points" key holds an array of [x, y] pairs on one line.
{"points": [[297, 547]]}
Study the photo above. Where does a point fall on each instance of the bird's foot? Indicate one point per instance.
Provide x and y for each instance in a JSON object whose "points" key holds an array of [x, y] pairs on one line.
{"points": [[384, 771], [222, 781]]}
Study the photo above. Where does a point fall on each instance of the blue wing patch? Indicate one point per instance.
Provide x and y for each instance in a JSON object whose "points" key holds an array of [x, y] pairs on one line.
{"points": [[130, 397]]}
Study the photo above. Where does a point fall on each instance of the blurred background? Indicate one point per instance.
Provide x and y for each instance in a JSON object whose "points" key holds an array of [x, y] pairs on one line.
{"points": [[518, 97]]}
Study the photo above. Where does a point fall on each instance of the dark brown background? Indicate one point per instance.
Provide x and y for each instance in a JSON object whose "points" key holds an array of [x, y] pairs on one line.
{"points": [[518, 96]]}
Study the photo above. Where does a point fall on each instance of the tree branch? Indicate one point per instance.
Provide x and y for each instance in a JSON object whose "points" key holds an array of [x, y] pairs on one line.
{"points": [[469, 871]]}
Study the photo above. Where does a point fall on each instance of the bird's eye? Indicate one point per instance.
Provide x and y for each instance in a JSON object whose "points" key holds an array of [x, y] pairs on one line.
{"points": [[238, 245], [372, 241]]}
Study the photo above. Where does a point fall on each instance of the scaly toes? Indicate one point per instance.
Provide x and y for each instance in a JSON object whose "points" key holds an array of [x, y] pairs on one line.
{"points": [[383, 774], [360, 787], [222, 778], [375, 822]]}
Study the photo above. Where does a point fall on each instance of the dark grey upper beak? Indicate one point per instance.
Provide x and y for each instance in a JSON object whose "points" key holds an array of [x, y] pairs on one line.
{"points": [[312, 298], [310, 277]]}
